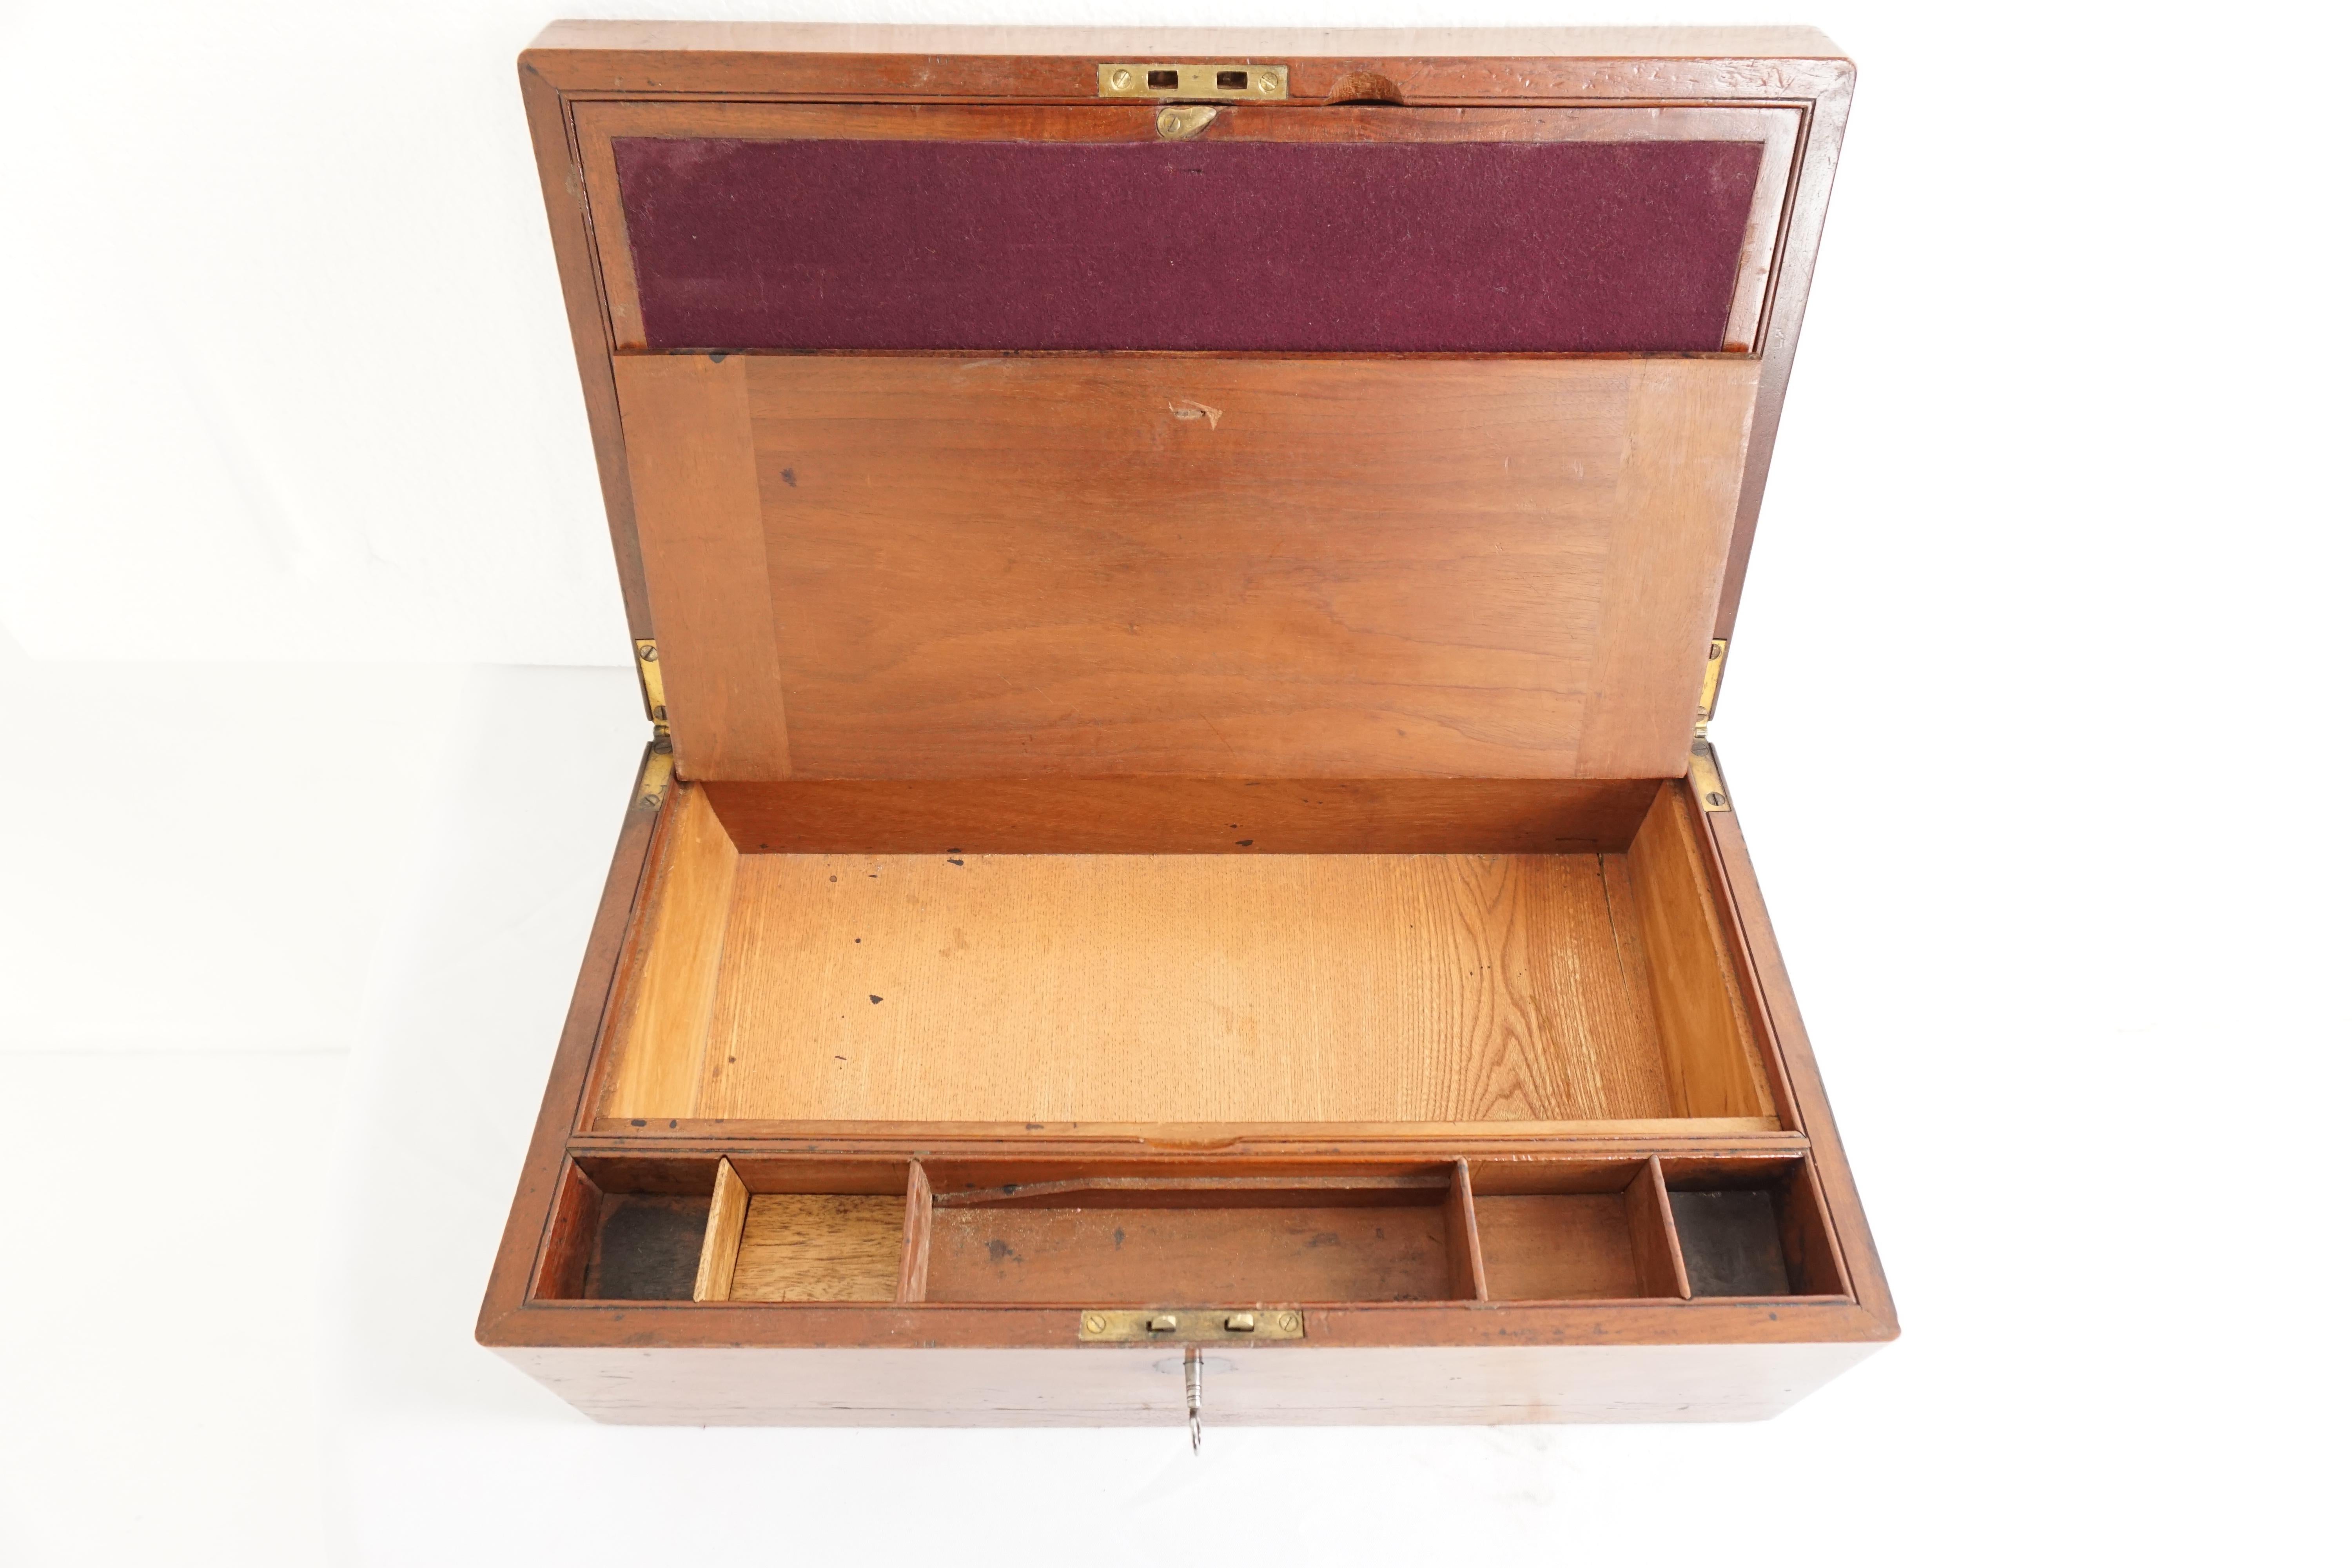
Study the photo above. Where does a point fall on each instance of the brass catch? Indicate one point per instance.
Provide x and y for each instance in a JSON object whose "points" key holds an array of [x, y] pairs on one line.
{"points": [[1128, 1324], [1129, 79], [1181, 123]]}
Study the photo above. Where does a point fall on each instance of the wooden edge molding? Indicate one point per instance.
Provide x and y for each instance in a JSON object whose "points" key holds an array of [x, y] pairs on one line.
{"points": [[533, 1213], [1858, 1254], [1787, 1320]]}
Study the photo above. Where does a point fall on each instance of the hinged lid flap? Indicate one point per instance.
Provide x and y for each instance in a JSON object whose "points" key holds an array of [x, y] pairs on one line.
{"points": [[1290, 439]]}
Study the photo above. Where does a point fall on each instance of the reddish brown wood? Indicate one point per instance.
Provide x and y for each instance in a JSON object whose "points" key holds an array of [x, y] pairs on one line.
{"points": [[1464, 1261], [1657, 1252], [1858, 1254], [532, 1217], [571, 1238], [1215, 1188]]}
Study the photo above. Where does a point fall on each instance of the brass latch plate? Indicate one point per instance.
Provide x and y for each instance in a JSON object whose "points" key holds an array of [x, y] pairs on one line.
{"points": [[1131, 78], [1191, 1325]]}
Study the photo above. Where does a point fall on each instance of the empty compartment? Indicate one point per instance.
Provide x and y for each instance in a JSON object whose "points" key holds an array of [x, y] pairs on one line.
{"points": [[1199, 1242], [631, 1232], [1569, 1232], [1754, 1228], [770, 1239], [996, 991]]}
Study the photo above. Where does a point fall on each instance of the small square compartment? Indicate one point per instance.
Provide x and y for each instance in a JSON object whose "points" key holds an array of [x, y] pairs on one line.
{"points": [[628, 1231], [1570, 1232], [1753, 1228]]}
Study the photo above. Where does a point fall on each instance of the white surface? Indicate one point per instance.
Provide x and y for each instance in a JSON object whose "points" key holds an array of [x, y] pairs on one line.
{"points": [[2028, 719]]}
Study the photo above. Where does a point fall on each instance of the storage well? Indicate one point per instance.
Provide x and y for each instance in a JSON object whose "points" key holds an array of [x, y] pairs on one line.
{"points": [[1002, 991], [1753, 1230], [1057, 1232]]}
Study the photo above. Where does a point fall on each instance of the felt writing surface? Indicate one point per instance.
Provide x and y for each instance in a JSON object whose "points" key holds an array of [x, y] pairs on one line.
{"points": [[1284, 246]]}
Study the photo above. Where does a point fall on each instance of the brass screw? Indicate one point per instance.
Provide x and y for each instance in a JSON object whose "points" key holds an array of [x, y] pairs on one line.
{"points": [[1121, 79], [1266, 83], [1094, 1320], [1290, 1320]]}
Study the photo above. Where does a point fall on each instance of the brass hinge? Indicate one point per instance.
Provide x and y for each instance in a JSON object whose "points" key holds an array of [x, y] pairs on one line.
{"points": [[654, 783], [1705, 778], [1711, 683], [1229, 1324], [650, 681]]}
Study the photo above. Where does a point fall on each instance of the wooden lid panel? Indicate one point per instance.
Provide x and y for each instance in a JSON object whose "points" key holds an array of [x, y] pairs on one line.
{"points": [[920, 567]]}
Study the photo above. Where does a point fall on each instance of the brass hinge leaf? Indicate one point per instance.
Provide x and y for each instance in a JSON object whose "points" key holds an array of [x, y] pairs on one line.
{"points": [[650, 681], [1711, 683]]}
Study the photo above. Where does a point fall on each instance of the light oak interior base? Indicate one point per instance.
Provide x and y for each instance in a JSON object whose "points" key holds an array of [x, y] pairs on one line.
{"points": [[1012, 989]]}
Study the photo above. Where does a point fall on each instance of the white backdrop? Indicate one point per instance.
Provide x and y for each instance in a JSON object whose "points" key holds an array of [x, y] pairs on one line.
{"points": [[2028, 716]]}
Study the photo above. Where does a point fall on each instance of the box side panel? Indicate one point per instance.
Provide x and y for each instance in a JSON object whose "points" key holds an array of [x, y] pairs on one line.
{"points": [[1144, 1387]]}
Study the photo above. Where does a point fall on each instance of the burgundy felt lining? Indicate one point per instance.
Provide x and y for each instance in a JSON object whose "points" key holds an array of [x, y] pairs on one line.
{"points": [[1558, 247]]}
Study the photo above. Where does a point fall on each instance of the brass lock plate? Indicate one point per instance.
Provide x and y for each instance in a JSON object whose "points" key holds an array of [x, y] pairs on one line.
{"points": [[1131, 78], [1189, 1325]]}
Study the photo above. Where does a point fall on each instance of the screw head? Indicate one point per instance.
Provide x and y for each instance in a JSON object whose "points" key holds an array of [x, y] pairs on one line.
{"points": [[1122, 79], [1267, 82], [1094, 1322], [1290, 1320]]}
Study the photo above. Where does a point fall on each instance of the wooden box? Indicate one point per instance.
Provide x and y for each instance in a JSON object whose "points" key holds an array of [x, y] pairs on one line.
{"points": [[1180, 579]]}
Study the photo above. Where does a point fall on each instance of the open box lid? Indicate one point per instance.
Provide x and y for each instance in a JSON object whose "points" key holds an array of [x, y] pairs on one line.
{"points": [[996, 404]]}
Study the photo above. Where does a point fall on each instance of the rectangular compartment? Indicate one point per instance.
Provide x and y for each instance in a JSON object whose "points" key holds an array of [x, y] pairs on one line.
{"points": [[810, 1233], [635, 1236], [1206, 1240], [1567, 1232], [1754, 1228], [1593, 981]]}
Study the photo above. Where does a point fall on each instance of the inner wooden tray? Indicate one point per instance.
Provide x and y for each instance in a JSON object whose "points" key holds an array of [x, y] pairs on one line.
{"points": [[1011, 993]]}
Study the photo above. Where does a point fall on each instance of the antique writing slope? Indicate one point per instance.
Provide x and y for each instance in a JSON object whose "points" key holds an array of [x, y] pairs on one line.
{"points": [[1179, 579]]}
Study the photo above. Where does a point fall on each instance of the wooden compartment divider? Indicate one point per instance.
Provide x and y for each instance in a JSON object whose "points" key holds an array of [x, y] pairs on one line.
{"points": [[1462, 1233], [1657, 1250], [722, 1237], [915, 1255]]}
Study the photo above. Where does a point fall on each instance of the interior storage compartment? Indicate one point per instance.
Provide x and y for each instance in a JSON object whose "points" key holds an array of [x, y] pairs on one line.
{"points": [[1754, 1228], [1167, 1235], [1567, 963], [812, 1233], [1131, 1241], [1565, 1233], [638, 1236]]}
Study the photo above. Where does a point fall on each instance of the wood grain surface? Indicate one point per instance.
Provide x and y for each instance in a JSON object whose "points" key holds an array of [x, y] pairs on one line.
{"points": [[1558, 1247], [1176, 988], [670, 998], [1072, 566], [1190, 1256], [1710, 1044], [693, 480], [801, 1246], [723, 1237]]}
